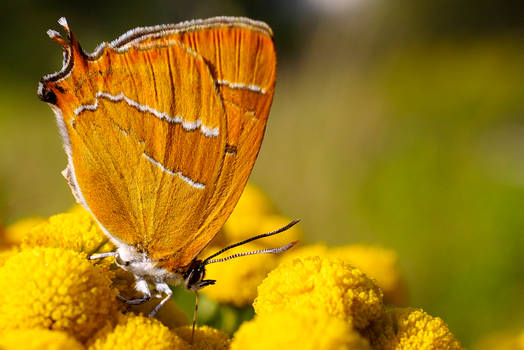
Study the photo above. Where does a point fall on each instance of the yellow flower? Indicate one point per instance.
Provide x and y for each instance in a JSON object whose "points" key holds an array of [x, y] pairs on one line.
{"points": [[206, 338], [6, 254], [407, 328], [321, 285], [76, 231], [299, 329], [56, 289], [376, 262], [38, 339], [249, 213], [238, 279], [15, 233], [138, 332]]}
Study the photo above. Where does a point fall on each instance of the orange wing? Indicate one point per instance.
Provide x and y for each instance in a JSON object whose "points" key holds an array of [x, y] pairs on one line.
{"points": [[162, 128]]}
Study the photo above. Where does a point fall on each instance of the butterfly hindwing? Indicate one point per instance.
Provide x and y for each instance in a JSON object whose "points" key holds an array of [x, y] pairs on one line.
{"points": [[162, 128]]}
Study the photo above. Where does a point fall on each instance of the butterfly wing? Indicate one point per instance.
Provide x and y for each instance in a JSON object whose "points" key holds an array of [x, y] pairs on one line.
{"points": [[162, 128]]}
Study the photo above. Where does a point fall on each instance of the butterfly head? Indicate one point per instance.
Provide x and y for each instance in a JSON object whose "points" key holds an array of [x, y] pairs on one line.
{"points": [[194, 276]]}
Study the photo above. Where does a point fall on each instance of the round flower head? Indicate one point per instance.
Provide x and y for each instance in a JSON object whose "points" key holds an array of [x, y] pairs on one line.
{"points": [[250, 211], [411, 329], [138, 332], [76, 231], [321, 285], [205, 338], [300, 329], [238, 279], [56, 289], [376, 262], [38, 339], [15, 233]]}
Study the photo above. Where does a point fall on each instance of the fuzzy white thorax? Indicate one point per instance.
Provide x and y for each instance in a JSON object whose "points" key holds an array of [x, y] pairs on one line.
{"points": [[143, 267]]}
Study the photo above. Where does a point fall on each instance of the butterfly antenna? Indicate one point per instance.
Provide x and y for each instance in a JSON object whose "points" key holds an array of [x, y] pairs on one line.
{"points": [[261, 251], [276, 250], [194, 317]]}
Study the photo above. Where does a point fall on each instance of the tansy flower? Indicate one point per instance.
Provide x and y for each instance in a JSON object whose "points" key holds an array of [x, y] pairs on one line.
{"points": [[238, 279], [38, 339], [138, 332], [300, 329], [56, 289], [376, 262], [411, 329], [205, 338], [15, 233], [249, 213], [7, 253], [76, 231], [321, 285]]}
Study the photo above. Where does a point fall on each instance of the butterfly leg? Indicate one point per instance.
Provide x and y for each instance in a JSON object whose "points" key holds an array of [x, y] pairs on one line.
{"points": [[102, 255], [161, 287], [141, 286]]}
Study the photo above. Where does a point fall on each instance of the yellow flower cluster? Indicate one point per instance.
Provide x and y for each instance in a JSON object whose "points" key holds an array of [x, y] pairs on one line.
{"points": [[411, 329], [140, 332], [55, 289], [325, 285], [377, 262], [313, 298], [299, 329], [324, 303], [237, 280], [55, 298], [76, 231]]}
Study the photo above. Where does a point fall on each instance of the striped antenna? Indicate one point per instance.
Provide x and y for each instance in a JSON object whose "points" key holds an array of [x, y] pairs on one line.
{"points": [[209, 260]]}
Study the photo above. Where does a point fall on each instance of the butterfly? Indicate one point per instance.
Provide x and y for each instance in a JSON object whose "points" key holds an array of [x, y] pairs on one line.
{"points": [[161, 128]]}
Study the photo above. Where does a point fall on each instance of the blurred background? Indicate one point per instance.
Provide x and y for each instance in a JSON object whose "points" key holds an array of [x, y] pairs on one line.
{"points": [[399, 123]]}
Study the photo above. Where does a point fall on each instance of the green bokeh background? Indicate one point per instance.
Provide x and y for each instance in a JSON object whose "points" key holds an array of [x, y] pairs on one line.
{"points": [[394, 122]]}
